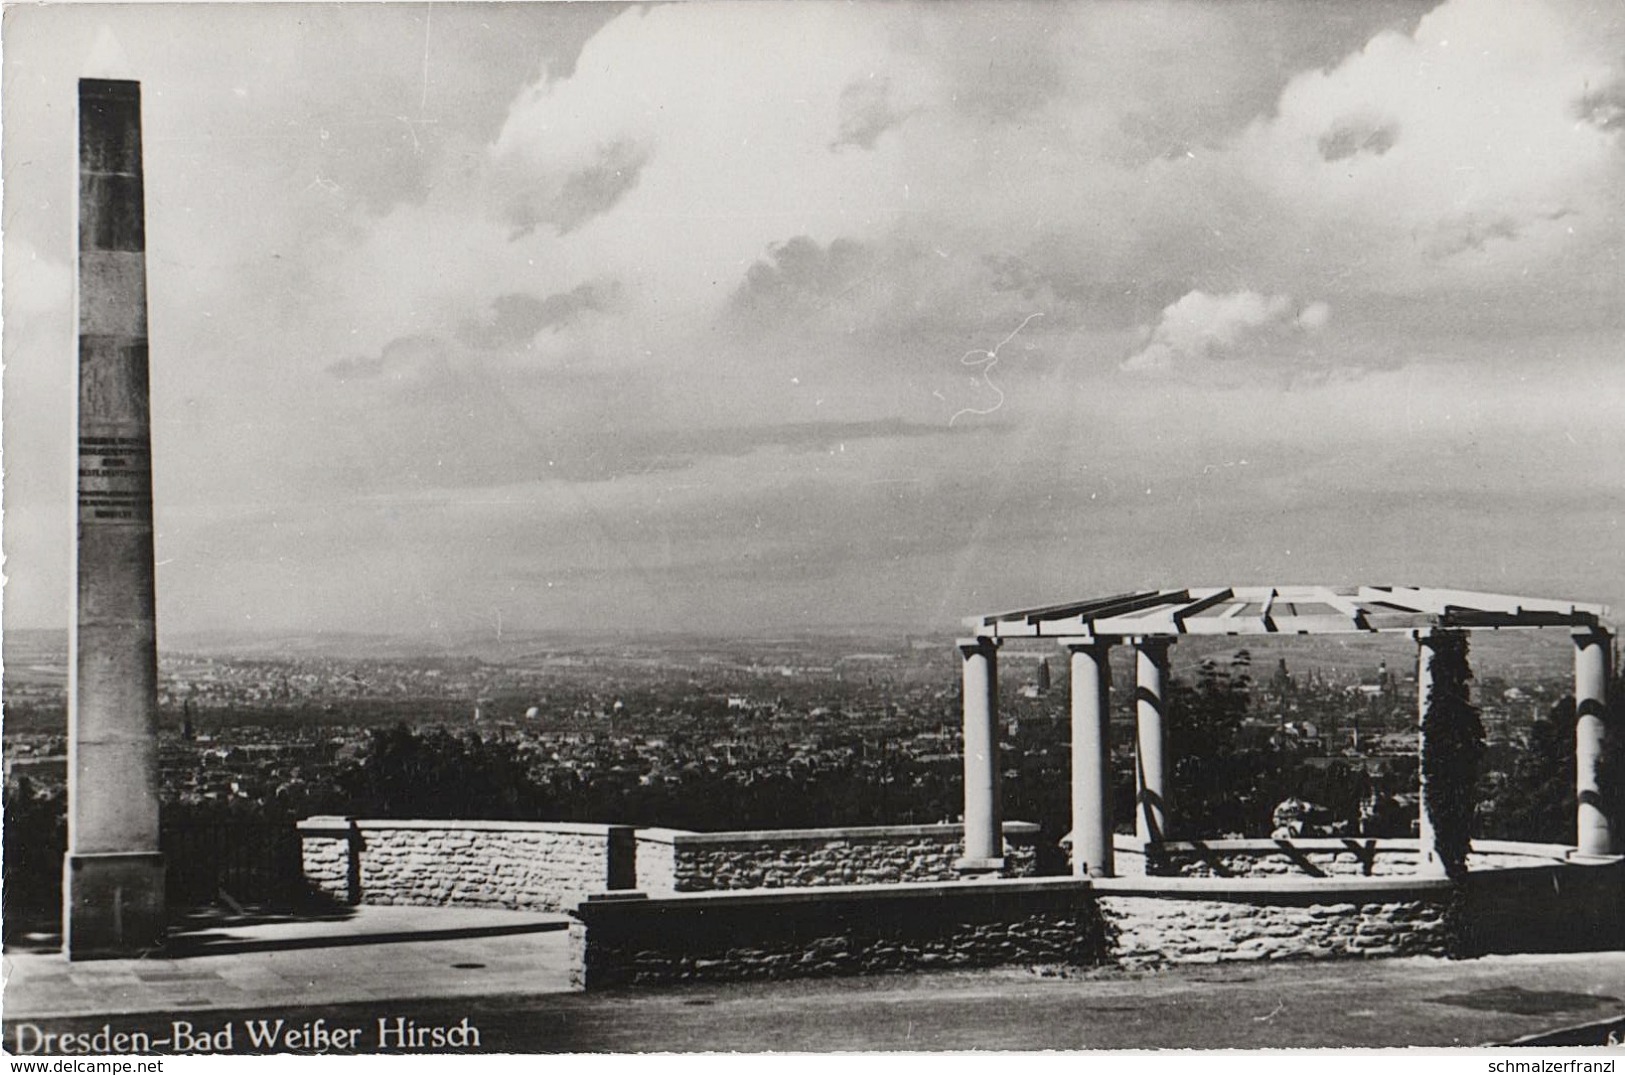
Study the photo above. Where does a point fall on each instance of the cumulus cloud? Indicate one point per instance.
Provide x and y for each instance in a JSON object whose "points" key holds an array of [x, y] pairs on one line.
{"points": [[1203, 327], [897, 306], [1445, 157], [800, 276], [812, 212], [672, 160], [515, 319]]}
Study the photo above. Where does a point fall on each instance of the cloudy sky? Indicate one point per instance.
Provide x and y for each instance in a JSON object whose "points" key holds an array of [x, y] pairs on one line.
{"points": [[802, 315]]}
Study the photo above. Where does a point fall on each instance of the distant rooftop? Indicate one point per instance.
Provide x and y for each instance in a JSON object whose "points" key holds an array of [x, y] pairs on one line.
{"points": [[1301, 610]]}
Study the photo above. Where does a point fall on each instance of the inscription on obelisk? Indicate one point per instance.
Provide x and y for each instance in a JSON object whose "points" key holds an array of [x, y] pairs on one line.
{"points": [[113, 877]]}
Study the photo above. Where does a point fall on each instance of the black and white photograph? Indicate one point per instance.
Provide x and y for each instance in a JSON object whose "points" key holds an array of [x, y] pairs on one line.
{"points": [[813, 527]]}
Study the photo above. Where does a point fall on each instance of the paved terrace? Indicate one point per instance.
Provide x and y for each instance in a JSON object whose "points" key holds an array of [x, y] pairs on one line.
{"points": [[373, 954], [506, 972]]}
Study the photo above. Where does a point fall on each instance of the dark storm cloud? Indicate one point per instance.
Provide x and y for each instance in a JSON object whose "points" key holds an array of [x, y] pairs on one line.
{"points": [[515, 319], [585, 193], [800, 276], [1604, 108], [597, 188], [1470, 232], [1352, 136], [1059, 287]]}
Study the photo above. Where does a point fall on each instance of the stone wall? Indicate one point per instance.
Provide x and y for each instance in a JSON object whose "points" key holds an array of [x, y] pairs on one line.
{"points": [[833, 930], [797, 858], [325, 850], [657, 859], [1195, 922], [551, 865], [1553, 908], [856, 929], [519, 865], [799, 919]]}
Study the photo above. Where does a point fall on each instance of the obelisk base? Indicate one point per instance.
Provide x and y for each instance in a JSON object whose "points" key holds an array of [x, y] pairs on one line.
{"points": [[113, 905]]}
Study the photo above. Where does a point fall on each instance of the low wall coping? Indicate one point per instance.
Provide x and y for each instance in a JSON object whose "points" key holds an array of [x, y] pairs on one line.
{"points": [[341, 826], [782, 897], [661, 836], [1264, 844], [1320, 890], [1559, 852], [1327, 889], [861, 832], [1270, 845], [1323, 889]]}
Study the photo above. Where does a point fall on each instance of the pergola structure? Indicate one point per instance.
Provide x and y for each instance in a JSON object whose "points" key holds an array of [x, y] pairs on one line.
{"points": [[1152, 620]]}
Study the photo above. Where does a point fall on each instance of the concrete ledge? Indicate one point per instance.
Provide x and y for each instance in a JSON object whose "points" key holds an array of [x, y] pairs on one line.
{"points": [[1314, 856], [665, 836], [1266, 845], [835, 894], [975, 866], [1263, 845], [683, 838], [1258, 889], [327, 825], [1521, 847], [341, 826]]}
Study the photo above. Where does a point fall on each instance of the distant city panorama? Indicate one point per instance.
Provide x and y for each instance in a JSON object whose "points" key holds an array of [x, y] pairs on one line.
{"points": [[1301, 737]]}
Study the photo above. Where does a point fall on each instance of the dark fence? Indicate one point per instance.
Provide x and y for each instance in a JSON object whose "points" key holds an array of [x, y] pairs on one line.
{"points": [[236, 864]]}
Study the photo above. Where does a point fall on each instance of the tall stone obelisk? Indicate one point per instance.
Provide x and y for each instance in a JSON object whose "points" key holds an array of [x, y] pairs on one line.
{"points": [[113, 876]]}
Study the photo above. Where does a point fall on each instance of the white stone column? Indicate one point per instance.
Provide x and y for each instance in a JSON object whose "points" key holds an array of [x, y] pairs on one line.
{"points": [[984, 823], [1428, 860], [1596, 832], [1091, 758], [1150, 719]]}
